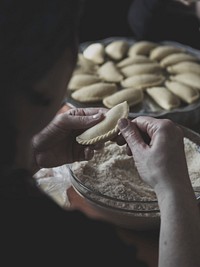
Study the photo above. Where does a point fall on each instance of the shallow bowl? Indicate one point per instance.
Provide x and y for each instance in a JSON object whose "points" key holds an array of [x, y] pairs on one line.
{"points": [[137, 215]]}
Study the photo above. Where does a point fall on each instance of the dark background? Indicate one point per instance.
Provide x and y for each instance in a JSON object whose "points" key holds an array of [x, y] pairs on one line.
{"points": [[102, 19], [153, 20]]}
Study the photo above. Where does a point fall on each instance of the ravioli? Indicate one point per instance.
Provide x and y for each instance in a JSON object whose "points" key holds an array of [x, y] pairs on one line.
{"points": [[163, 97], [190, 79], [177, 58], [143, 68], [117, 50], [106, 129], [119, 69], [137, 59], [161, 51], [141, 48], [94, 93], [108, 72], [79, 80], [142, 81], [185, 66], [95, 52], [186, 93], [131, 95]]}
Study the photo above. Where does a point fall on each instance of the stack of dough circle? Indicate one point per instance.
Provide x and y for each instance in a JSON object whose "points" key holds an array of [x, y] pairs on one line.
{"points": [[118, 71]]}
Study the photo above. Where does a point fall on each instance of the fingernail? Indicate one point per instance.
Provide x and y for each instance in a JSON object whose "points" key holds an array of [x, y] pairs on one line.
{"points": [[97, 116], [89, 153], [122, 123]]}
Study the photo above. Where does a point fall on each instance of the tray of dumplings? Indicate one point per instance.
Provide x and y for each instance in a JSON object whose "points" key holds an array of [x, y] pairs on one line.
{"points": [[156, 79]]}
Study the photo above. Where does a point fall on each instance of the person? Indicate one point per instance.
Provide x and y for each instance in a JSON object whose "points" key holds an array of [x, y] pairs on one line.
{"points": [[38, 51], [164, 20]]}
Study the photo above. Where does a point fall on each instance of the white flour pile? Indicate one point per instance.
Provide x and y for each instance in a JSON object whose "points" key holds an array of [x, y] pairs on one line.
{"points": [[192, 152], [113, 173]]}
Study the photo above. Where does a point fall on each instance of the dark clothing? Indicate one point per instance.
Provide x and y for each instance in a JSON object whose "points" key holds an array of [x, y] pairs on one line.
{"points": [[161, 20], [37, 232]]}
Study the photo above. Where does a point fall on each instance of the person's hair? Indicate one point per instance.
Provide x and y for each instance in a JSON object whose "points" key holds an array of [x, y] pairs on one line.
{"points": [[33, 34]]}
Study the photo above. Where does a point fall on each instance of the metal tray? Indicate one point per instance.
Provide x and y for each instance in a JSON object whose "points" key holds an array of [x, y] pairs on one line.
{"points": [[187, 115]]}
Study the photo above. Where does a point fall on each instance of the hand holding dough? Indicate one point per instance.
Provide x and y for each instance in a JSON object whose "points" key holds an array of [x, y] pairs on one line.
{"points": [[106, 129]]}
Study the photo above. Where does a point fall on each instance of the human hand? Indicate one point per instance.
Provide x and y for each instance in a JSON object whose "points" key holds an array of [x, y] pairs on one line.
{"points": [[161, 161], [56, 144]]}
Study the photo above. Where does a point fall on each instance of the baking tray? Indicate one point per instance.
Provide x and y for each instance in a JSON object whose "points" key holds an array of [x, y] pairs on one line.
{"points": [[187, 115]]}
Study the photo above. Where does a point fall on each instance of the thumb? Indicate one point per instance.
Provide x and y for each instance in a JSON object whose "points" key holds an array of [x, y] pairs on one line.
{"points": [[131, 134], [81, 122]]}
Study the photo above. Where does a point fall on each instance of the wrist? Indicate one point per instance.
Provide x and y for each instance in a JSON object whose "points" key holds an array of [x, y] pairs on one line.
{"points": [[179, 191]]}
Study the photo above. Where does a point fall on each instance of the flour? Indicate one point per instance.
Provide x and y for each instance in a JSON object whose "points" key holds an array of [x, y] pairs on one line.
{"points": [[112, 173], [192, 152]]}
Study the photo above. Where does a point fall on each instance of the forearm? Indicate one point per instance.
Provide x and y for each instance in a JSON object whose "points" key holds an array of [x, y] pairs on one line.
{"points": [[163, 165], [180, 228]]}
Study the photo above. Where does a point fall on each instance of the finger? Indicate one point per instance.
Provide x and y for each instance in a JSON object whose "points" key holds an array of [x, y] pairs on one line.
{"points": [[119, 139], [158, 129], [148, 125], [86, 111], [68, 121], [128, 151], [98, 146], [81, 153], [88, 153], [84, 152], [131, 134]]}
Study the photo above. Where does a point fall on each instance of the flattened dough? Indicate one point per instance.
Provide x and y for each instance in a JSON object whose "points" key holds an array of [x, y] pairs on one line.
{"points": [[143, 68], [190, 79], [137, 59], [184, 92], [131, 95], [160, 52], [106, 129], [184, 66], [142, 81], [95, 52], [85, 65], [176, 58], [79, 80], [94, 92], [163, 97], [117, 50], [141, 48], [108, 72]]}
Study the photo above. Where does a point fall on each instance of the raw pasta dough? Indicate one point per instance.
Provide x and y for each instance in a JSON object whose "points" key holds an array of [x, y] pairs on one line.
{"points": [[106, 129], [163, 97]]}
